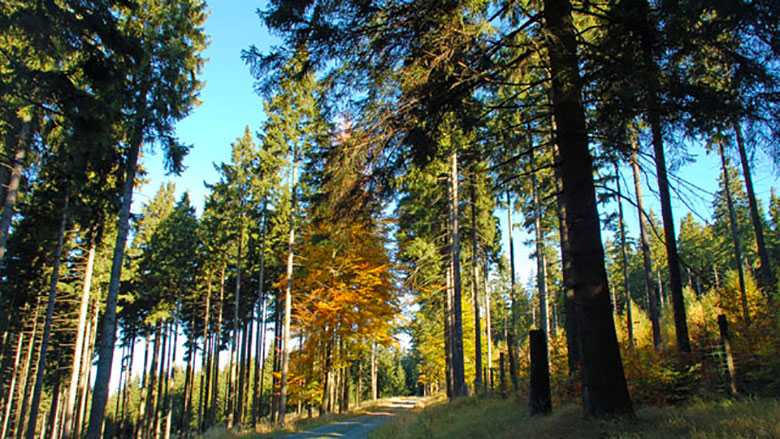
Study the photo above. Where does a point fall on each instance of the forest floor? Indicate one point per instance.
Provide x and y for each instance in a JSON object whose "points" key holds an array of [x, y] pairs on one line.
{"points": [[357, 423], [504, 419]]}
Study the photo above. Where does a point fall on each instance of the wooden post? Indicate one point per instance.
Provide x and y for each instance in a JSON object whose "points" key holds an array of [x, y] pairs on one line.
{"points": [[725, 341], [540, 401]]}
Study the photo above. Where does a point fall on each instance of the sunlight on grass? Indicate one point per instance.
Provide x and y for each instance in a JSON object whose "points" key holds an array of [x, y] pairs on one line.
{"points": [[499, 419]]}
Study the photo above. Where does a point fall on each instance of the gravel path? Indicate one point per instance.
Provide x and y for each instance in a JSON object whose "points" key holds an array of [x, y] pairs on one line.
{"points": [[359, 427]]}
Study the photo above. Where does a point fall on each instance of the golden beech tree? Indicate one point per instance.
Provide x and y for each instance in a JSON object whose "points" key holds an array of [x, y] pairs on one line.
{"points": [[345, 301]]}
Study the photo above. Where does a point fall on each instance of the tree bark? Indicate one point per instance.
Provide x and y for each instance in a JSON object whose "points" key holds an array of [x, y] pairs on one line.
{"points": [[256, 396], [108, 331], [604, 385], [622, 230], [67, 421], [374, 374], [55, 277], [204, 369], [12, 192], [510, 338], [86, 370], [288, 299], [652, 298], [475, 289], [767, 278], [234, 402], [734, 237], [12, 386], [540, 400], [541, 269]]}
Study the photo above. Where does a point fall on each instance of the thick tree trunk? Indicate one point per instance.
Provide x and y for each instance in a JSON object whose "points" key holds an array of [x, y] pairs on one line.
{"points": [[767, 278], [288, 299], [540, 400], [652, 298], [604, 384], [735, 237], [108, 331], [12, 192], [475, 290], [622, 231], [55, 277], [70, 407]]}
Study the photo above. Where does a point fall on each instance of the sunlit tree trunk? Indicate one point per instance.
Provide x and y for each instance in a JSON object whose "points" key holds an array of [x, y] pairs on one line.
{"points": [[12, 190], [205, 357], [70, 406], [734, 237], [258, 389], [108, 331], [475, 290], [86, 369], [374, 374], [652, 300], [29, 367], [55, 277], [288, 298], [604, 385]]}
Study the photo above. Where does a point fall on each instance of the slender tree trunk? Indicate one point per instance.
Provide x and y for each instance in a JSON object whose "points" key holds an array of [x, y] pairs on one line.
{"points": [[76, 369], [29, 367], [622, 230], [12, 192], [652, 301], [53, 419], [204, 369], [171, 382], [256, 396], [55, 277], [108, 331], [374, 374], [488, 321], [218, 347], [510, 336], [604, 385], [151, 383], [139, 427], [162, 380], [288, 299], [768, 281], [735, 237], [475, 290], [90, 337], [654, 120], [12, 386], [234, 402], [277, 363]]}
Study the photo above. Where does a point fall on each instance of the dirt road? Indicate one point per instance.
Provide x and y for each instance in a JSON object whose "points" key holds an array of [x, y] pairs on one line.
{"points": [[358, 427]]}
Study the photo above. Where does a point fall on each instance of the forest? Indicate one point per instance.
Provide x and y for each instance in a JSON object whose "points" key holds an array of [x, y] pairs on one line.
{"points": [[361, 242]]}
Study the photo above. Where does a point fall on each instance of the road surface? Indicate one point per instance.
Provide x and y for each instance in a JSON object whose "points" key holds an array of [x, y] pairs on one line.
{"points": [[359, 427]]}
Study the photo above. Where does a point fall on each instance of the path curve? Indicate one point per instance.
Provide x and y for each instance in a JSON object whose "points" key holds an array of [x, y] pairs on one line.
{"points": [[361, 426]]}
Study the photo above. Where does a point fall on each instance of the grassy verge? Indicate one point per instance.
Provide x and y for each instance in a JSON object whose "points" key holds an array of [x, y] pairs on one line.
{"points": [[295, 423], [499, 419]]}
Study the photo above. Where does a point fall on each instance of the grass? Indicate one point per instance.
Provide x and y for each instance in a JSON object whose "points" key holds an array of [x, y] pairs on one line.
{"points": [[503, 419], [295, 423]]}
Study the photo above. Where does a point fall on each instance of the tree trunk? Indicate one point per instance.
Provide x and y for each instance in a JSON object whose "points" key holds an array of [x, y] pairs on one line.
{"points": [[159, 400], [108, 331], [622, 230], [171, 382], [573, 345], [12, 386], [288, 299], [652, 298], [510, 338], [29, 368], [86, 370], [234, 403], [488, 322], [76, 369], [218, 347], [55, 277], [12, 192], [256, 396], [139, 426], [475, 290], [540, 400], [541, 269], [735, 237], [768, 281], [374, 374], [604, 385], [654, 120], [205, 357], [448, 329]]}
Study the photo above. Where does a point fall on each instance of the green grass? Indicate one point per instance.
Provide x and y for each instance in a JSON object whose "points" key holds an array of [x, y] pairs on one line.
{"points": [[500, 419]]}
